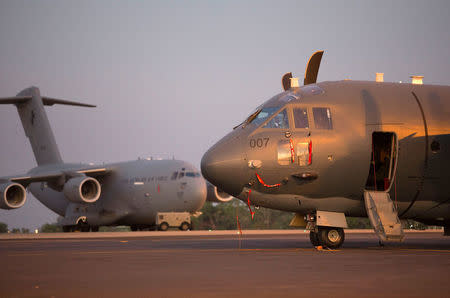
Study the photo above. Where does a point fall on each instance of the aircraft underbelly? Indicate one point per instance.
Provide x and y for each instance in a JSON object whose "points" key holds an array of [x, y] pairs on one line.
{"points": [[52, 199], [303, 204]]}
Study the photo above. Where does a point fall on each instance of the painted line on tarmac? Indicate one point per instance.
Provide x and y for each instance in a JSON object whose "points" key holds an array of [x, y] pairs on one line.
{"points": [[120, 239], [389, 249], [425, 250], [27, 255], [197, 250], [230, 250], [243, 250]]}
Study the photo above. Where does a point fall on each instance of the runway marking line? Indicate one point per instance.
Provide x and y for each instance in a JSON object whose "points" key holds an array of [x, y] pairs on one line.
{"points": [[27, 255], [407, 249], [165, 251], [425, 250], [191, 250], [244, 250]]}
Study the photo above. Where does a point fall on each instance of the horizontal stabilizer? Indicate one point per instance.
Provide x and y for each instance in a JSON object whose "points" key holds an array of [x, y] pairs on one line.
{"points": [[14, 99], [48, 101]]}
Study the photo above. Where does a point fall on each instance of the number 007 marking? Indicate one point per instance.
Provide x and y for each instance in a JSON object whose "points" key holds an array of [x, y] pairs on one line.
{"points": [[259, 142]]}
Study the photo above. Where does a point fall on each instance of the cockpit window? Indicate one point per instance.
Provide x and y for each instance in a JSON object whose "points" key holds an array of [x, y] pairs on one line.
{"points": [[262, 115], [181, 175], [174, 176], [322, 118], [192, 174], [301, 118], [279, 121]]}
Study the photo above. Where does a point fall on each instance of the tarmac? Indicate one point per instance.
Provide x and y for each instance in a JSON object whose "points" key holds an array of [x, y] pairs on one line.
{"points": [[222, 264]]}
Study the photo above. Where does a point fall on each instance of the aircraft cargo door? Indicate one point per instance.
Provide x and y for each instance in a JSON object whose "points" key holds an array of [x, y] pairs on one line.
{"points": [[380, 209]]}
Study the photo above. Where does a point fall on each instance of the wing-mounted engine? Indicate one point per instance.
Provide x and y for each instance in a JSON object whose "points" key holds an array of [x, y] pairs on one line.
{"points": [[82, 189], [216, 195], [12, 195]]}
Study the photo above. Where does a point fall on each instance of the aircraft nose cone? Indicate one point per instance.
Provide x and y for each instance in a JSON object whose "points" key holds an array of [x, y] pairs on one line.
{"points": [[223, 165], [196, 195]]}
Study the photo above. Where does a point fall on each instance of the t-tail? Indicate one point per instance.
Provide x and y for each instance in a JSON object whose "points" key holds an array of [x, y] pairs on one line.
{"points": [[30, 106]]}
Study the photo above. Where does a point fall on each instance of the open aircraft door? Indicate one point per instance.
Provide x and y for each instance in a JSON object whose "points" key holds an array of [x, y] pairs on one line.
{"points": [[380, 209]]}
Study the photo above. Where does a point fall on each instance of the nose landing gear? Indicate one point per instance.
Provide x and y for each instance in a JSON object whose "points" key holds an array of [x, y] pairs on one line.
{"points": [[332, 235], [327, 236]]}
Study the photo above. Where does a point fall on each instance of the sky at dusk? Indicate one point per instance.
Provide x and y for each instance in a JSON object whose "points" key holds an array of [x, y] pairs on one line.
{"points": [[170, 78]]}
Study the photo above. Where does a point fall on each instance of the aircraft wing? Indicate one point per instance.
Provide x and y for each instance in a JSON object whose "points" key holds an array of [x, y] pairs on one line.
{"points": [[57, 175]]}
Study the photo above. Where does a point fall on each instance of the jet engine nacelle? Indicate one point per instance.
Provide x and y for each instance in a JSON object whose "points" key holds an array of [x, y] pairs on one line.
{"points": [[82, 190], [216, 195], [12, 195]]}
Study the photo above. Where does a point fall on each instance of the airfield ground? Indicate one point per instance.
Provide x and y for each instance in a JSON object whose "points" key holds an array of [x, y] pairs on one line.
{"points": [[211, 264]]}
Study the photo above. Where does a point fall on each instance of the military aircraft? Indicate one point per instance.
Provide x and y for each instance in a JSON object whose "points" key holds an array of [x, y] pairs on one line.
{"points": [[126, 193], [342, 148]]}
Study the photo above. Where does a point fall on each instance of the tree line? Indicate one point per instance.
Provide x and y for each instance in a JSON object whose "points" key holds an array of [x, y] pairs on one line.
{"points": [[228, 216]]}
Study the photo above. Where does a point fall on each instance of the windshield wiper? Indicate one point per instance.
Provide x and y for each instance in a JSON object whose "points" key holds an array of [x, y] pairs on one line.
{"points": [[251, 118]]}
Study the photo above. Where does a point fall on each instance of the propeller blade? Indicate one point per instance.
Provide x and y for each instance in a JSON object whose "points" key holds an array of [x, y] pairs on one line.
{"points": [[312, 69]]}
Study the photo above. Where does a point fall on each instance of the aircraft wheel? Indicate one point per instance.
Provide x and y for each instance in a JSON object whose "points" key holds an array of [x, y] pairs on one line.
{"points": [[85, 228], [95, 228], [164, 226], [331, 237], [314, 238], [184, 226]]}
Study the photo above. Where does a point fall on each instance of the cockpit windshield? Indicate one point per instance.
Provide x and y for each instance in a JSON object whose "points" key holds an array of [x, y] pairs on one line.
{"points": [[267, 109], [279, 121], [263, 115]]}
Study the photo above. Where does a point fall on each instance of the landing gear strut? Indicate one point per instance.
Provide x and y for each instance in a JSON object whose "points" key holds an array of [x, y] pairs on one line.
{"points": [[314, 238]]}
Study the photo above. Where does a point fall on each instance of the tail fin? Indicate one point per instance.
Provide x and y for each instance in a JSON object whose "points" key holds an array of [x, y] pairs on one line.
{"points": [[30, 106]]}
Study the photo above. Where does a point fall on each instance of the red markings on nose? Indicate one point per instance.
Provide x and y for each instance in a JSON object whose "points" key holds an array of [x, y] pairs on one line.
{"points": [[252, 213], [264, 184]]}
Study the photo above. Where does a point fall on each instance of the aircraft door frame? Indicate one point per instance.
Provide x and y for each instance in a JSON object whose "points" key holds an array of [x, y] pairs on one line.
{"points": [[379, 167]]}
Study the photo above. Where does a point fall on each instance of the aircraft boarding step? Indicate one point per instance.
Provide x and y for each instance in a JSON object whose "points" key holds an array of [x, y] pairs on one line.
{"points": [[383, 216]]}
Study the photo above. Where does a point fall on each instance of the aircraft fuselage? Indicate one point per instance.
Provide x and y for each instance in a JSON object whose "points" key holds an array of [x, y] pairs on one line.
{"points": [[313, 150], [133, 193]]}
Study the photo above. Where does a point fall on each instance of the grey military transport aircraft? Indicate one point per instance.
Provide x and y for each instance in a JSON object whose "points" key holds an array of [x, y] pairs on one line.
{"points": [[126, 193], [344, 148]]}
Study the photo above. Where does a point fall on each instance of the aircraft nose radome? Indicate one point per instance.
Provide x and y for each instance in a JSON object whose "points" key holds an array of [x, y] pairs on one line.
{"points": [[199, 195], [222, 165]]}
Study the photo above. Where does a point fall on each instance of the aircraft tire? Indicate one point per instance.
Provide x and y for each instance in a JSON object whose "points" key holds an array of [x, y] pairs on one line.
{"points": [[314, 238], [331, 237], [164, 226], [184, 226], [85, 228]]}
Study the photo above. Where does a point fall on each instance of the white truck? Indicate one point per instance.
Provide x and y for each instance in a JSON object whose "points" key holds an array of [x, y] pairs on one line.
{"points": [[180, 220]]}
